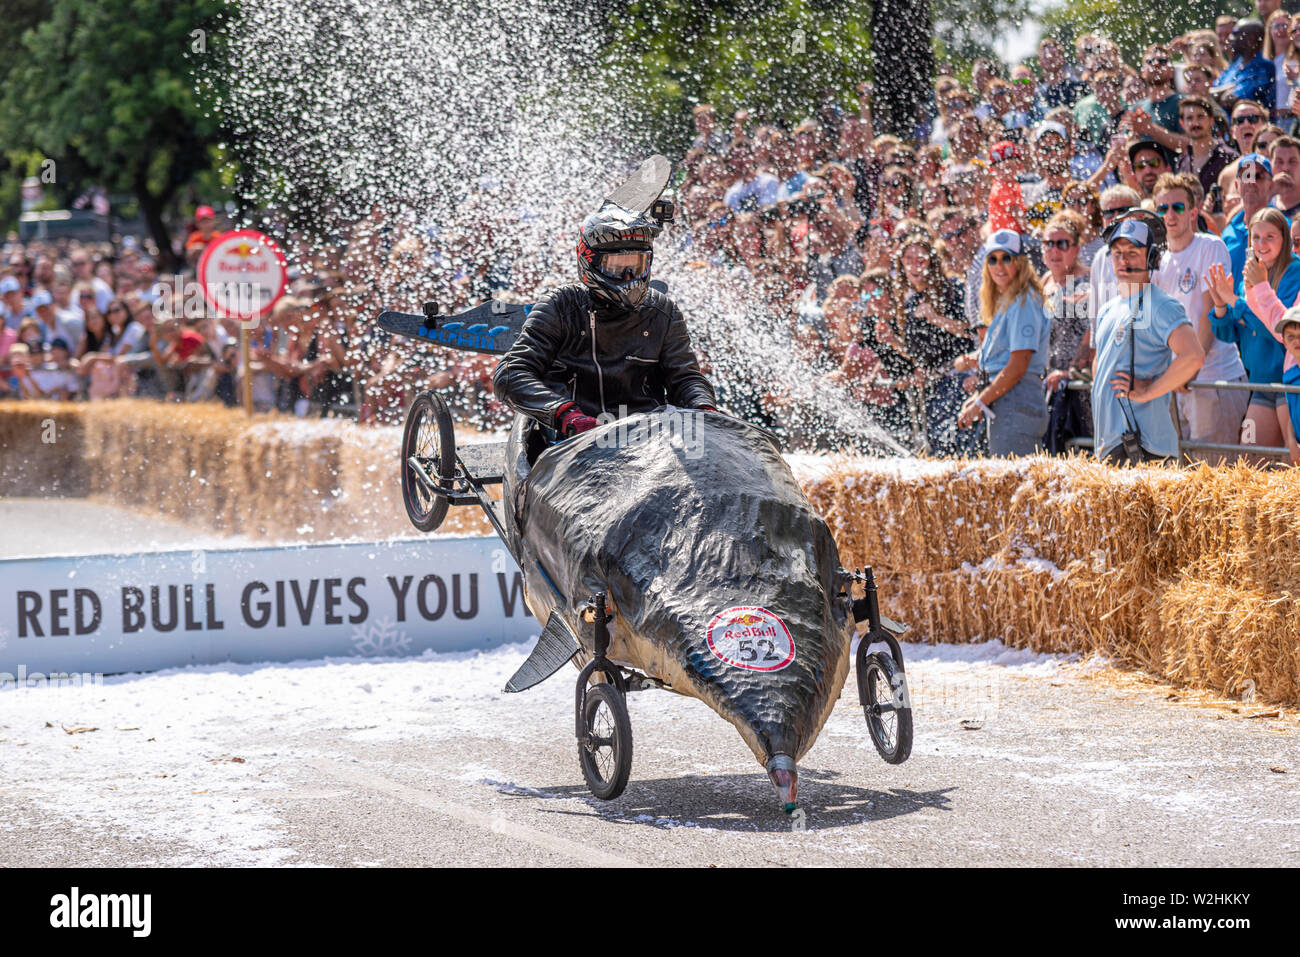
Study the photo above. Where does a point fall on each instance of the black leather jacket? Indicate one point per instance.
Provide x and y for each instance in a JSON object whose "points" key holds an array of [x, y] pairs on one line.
{"points": [[640, 359]]}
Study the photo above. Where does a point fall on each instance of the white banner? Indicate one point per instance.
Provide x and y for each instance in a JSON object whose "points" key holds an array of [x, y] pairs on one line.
{"points": [[142, 612]]}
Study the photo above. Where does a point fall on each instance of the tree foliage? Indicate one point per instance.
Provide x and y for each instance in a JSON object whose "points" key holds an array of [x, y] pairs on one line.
{"points": [[967, 29], [105, 91], [781, 58], [1135, 24]]}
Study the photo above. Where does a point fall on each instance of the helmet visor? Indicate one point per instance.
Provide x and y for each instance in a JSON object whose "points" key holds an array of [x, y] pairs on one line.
{"points": [[625, 263]]}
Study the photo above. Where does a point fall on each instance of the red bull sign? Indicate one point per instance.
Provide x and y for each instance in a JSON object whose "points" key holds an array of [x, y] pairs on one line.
{"points": [[243, 274], [750, 637]]}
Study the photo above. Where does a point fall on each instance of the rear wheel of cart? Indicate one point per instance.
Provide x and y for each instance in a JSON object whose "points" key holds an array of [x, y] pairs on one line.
{"points": [[429, 442]]}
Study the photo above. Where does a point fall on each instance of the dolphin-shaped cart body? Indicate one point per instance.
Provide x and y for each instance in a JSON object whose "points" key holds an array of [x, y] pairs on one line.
{"points": [[721, 578]]}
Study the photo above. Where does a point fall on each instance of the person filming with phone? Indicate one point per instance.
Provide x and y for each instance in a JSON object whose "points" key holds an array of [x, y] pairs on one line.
{"points": [[1146, 349]]}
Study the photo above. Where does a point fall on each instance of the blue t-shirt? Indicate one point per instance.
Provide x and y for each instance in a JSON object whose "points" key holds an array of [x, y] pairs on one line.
{"points": [[1158, 314], [1236, 237], [1249, 81], [1024, 324]]}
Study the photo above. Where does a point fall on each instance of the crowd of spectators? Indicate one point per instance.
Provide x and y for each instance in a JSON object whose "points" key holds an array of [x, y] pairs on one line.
{"points": [[951, 280], [878, 250], [91, 321]]}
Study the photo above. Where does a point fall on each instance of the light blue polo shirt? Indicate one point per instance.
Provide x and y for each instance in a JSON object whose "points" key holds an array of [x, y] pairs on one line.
{"points": [[1157, 315], [1024, 324]]}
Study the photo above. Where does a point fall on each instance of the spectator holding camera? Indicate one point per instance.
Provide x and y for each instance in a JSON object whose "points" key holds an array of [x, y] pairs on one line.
{"points": [[1065, 293], [1013, 357], [1146, 348]]}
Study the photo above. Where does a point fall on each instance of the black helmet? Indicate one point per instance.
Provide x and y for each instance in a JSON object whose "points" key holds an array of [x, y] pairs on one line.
{"points": [[614, 254]]}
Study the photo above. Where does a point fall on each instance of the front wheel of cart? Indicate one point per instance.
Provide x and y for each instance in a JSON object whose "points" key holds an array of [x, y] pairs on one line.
{"points": [[886, 704], [605, 750]]}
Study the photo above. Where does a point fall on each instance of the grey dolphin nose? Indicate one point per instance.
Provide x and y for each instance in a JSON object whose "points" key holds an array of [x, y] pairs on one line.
{"points": [[785, 778]]}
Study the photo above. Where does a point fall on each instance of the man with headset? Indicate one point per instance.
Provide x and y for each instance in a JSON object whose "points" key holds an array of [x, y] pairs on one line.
{"points": [[1146, 349]]}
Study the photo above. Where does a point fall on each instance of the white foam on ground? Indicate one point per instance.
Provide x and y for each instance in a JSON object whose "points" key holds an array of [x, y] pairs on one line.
{"points": [[174, 780]]}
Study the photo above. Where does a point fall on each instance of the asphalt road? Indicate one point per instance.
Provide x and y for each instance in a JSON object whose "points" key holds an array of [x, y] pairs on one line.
{"points": [[426, 762]]}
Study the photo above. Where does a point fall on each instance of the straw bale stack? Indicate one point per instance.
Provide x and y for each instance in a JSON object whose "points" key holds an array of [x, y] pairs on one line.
{"points": [[267, 477], [1193, 575]]}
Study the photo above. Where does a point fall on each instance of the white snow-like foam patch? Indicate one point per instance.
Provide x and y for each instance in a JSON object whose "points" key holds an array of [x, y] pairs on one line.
{"points": [[991, 653], [174, 778]]}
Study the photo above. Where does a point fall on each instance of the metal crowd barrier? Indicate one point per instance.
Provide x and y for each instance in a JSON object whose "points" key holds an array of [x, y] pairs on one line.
{"points": [[1272, 451]]}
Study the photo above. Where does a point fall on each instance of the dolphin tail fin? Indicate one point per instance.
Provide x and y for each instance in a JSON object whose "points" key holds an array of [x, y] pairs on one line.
{"points": [[554, 648]]}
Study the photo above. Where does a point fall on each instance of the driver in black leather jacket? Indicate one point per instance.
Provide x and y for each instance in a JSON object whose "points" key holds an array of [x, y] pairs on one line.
{"points": [[607, 345]]}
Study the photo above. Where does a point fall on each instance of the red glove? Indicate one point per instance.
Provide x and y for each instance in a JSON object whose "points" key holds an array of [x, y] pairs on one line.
{"points": [[706, 408], [573, 420]]}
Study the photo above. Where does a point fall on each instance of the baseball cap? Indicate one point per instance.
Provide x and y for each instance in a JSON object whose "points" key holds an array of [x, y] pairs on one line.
{"points": [[205, 212], [42, 297], [60, 343], [1255, 159], [1003, 150], [1007, 240], [9, 284], [1050, 126], [1146, 143], [1134, 230]]}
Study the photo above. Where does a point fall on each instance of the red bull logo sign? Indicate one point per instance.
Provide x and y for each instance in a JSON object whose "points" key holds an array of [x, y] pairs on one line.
{"points": [[243, 273], [750, 637]]}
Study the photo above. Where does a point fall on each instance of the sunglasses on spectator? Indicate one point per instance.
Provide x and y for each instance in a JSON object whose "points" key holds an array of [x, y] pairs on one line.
{"points": [[1023, 80], [1079, 202], [1157, 61], [1149, 164], [1247, 118], [875, 293], [1061, 244], [1178, 208], [1000, 259], [955, 234], [1117, 211], [719, 223]]}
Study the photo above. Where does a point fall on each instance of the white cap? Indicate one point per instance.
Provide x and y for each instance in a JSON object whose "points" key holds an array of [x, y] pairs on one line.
{"points": [[1135, 231], [1007, 240]]}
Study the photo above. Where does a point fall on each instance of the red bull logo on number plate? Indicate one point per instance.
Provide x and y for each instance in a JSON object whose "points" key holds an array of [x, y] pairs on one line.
{"points": [[752, 638]]}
